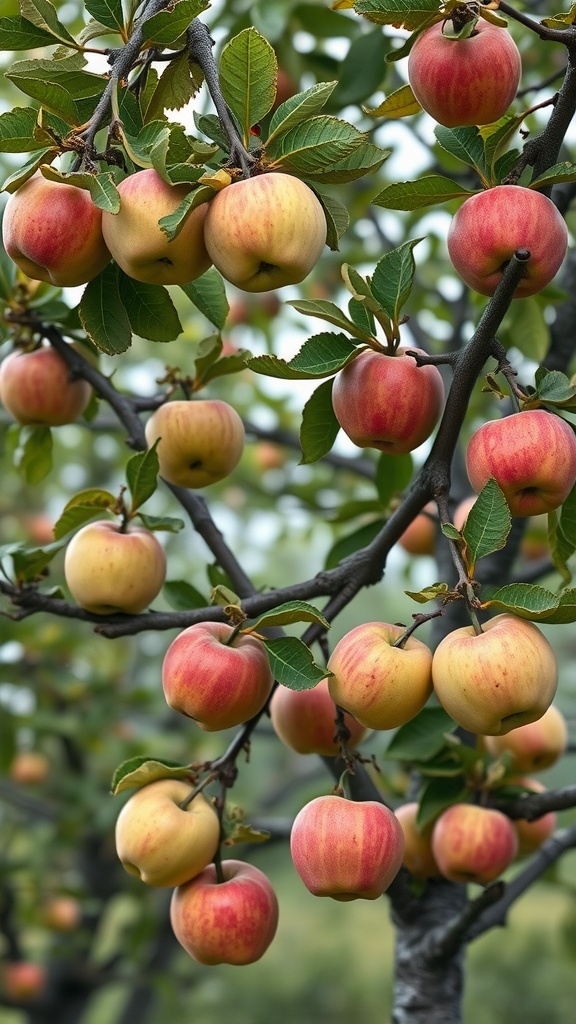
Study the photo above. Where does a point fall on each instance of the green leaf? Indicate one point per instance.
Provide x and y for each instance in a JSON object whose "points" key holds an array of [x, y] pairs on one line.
{"points": [[17, 131], [527, 600], [362, 70], [225, 365], [103, 315], [364, 159], [158, 523], [299, 108], [287, 613], [562, 536], [150, 310], [423, 737], [20, 34], [101, 187], [142, 476], [429, 593], [248, 70], [554, 388], [60, 86], [140, 771], [43, 15], [426, 191], [319, 424], [173, 223], [166, 27], [466, 144], [29, 563], [393, 474], [292, 663], [329, 311], [488, 523], [337, 218], [399, 13], [106, 12], [392, 280], [182, 596], [33, 456], [524, 326], [553, 175], [437, 796], [320, 356], [314, 145], [400, 103], [81, 508], [26, 169], [176, 87], [352, 542], [208, 293]]}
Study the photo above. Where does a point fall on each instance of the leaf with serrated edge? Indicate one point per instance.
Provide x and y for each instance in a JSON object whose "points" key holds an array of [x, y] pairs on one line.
{"points": [[140, 771], [142, 476], [289, 612], [292, 663], [488, 523], [150, 310], [208, 293], [400, 103], [391, 281], [426, 191], [330, 312], [248, 72], [399, 13], [299, 108], [43, 14], [429, 593], [319, 427]]}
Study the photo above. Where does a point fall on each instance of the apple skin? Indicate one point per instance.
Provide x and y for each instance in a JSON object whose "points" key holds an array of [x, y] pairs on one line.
{"points": [[201, 441], [29, 768], [22, 980], [36, 388], [532, 457], [137, 243], [454, 79], [418, 857], [345, 849], [490, 226], [162, 843], [53, 232], [473, 844], [497, 681], [535, 746], [265, 232], [531, 834], [382, 686], [109, 571], [305, 720], [462, 511], [388, 402], [218, 684], [229, 922], [420, 537]]}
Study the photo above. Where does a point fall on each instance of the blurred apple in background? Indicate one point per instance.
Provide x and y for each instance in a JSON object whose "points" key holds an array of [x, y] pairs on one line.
{"points": [[531, 834], [473, 844], [305, 720], [418, 856], [201, 441], [22, 980], [420, 537], [62, 913], [37, 389], [29, 768], [535, 746]]}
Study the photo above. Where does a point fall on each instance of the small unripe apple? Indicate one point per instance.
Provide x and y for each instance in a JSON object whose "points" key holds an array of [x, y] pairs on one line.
{"points": [[37, 389], [137, 242], [535, 746], [305, 720], [161, 842], [381, 685], [418, 857], [473, 844], [492, 225], [531, 834], [201, 441], [29, 768], [388, 402], [498, 680], [345, 849], [111, 570], [225, 922], [22, 980], [420, 537], [265, 232], [219, 680], [532, 457], [53, 232]]}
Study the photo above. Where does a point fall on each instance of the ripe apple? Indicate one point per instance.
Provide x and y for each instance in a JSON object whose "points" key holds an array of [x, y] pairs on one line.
{"points": [[111, 570], [345, 849], [535, 746], [161, 842], [305, 720], [62, 913], [53, 232], [29, 768], [418, 857], [36, 388], [462, 511], [139, 245], [201, 441], [473, 844], [490, 226], [531, 834], [532, 457], [215, 680], [382, 686], [229, 922], [23, 980], [420, 537], [498, 680], [387, 402], [455, 80], [265, 232]]}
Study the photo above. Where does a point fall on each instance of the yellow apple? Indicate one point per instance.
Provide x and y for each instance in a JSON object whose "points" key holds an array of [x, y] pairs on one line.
{"points": [[531, 834], [418, 857], [265, 232], [137, 242], [535, 746], [37, 389], [161, 842], [110, 570], [201, 441], [473, 844]]}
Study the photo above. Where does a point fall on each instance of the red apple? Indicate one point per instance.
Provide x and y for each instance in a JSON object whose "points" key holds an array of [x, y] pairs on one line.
{"points": [[29, 768], [490, 226], [109, 569], [418, 857], [454, 80], [219, 681], [420, 537], [22, 980], [305, 720], [532, 457], [473, 844], [229, 922], [387, 402], [498, 680], [382, 686], [53, 232], [201, 441], [37, 389], [531, 834], [535, 746], [346, 849], [462, 511], [62, 913]]}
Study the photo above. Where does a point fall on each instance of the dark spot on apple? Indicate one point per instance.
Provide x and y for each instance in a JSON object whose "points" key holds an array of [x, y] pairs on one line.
{"points": [[166, 260], [265, 267], [195, 465]]}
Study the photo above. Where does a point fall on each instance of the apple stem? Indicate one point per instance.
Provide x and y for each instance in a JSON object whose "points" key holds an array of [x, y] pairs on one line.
{"points": [[419, 619], [474, 620], [218, 866]]}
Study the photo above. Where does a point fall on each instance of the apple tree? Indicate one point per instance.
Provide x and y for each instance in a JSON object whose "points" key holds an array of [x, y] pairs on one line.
{"points": [[289, 472]]}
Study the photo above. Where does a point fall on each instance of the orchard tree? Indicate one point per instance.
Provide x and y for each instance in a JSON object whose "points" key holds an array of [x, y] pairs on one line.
{"points": [[207, 494]]}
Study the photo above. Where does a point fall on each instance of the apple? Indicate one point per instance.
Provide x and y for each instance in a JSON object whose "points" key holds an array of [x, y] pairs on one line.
{"points": [[29, 768], [498, 680], [137, 242], [387, 402], [22, 980], [268, 455], [455, 80], [420, 537], [225, 922], [109, 569], [62, 913], [201, 441], [418, 857], [490, 226], [531, 834], [535, 746], [532, 457], [53, 232], [382, 686], [37, 389], [345, 849], [462, 511], [161, 842], [218, 680], [305, 720], [534, 543], [265, 232], [473, 844]]}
